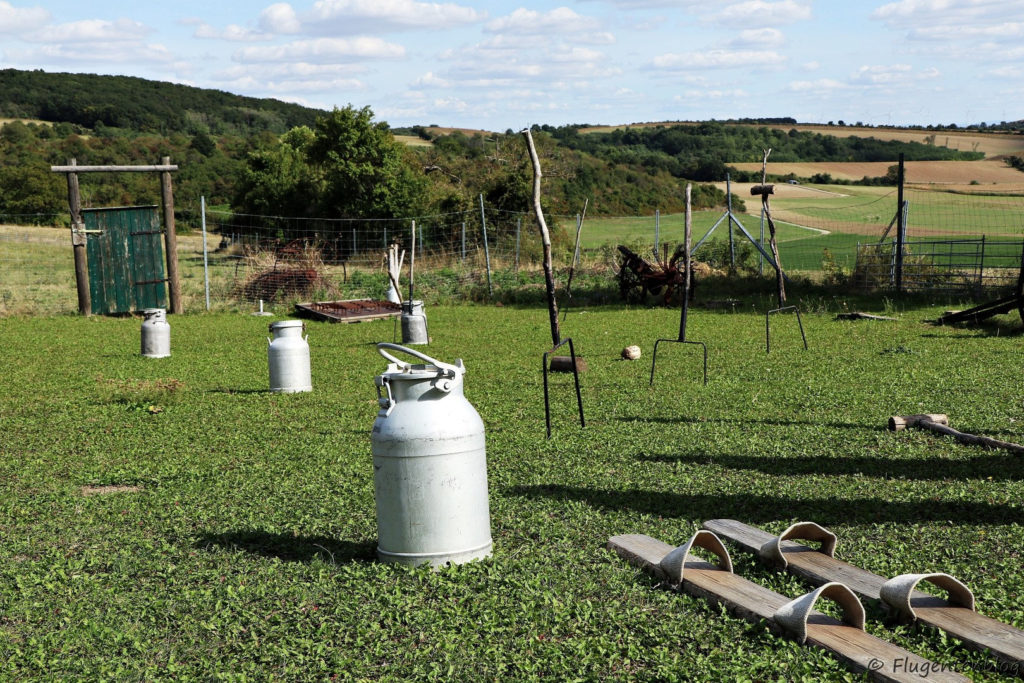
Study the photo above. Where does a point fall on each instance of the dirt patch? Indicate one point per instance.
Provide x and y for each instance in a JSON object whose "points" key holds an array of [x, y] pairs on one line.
{"points": [[113, 488]]}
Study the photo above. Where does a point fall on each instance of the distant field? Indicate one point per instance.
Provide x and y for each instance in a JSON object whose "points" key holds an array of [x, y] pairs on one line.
{"points": [[986, 171], [991, 144], [4, 121], [413, 141]]}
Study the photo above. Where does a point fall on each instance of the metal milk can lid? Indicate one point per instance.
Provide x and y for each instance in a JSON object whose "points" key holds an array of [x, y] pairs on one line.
{"points": [[285, 324], [443, 377]]}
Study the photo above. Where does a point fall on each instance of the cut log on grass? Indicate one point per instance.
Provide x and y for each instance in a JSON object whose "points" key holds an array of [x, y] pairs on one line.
{"points": [[941, 426], [564, 364], [857, 315], [897, 423]]}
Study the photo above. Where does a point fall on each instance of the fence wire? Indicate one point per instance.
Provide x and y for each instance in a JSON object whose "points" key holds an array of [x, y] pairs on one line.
{"points": [[955, 241]]}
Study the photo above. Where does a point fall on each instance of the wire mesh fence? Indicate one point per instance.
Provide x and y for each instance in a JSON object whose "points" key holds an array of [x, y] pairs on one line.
{"points": [[955, 241]]}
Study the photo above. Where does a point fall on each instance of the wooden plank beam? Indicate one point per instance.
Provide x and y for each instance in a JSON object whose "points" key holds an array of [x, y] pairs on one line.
{"points": [[164, 168]]}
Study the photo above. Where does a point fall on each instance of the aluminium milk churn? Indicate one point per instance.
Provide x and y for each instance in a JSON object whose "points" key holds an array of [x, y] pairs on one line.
{"points": [[414, 323], [429, 465], [156, 333], [288, 357]]}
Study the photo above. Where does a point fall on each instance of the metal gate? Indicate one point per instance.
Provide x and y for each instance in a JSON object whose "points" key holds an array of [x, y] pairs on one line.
{"points": [[126, 259]]}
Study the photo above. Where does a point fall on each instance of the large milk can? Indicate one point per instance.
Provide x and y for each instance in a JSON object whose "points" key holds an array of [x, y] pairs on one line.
{"points": [[156, 333], [414, 323], [430, 465], [288, 357]]}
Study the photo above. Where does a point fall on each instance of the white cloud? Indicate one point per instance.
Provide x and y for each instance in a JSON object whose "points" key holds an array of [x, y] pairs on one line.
{"points": [[100, 53], [231, 32], [92, 31], [15, 20], [348, 17], [322, 50], [883, 75], [762, 13], [960, 13], [530, 22], [280, 18], [820, 85], [692, 95], [430, 80], [718, 59], [1006, 31], [765, 38]]}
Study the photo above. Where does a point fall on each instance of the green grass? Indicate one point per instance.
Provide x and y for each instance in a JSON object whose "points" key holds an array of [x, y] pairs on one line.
{"points": [[236, 538]]}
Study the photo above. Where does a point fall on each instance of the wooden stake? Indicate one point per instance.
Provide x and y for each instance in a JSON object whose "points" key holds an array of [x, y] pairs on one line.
{"points": [[170, 240], [764, 191], [545, 236]]}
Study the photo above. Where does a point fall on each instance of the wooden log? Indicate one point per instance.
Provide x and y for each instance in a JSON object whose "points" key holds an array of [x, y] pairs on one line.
{"points": [[857, 315], [897, 423], [564, 364], [971, 439]]}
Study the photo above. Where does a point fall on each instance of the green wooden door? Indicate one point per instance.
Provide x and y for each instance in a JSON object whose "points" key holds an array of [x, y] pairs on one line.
{"points": [[126, 259]]}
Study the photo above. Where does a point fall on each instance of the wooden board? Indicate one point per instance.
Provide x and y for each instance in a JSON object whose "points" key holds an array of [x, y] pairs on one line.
{"points": [[349, 310], [859, 650], [1005, 642]]}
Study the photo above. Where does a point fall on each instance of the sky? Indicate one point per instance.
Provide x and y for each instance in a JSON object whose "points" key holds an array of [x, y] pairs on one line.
{"points": [[507, 64]]}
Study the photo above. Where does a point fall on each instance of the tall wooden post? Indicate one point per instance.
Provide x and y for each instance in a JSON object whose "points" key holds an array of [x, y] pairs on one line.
{"points": [[901, 229], [170, 240], [78, 239], [545, 236]]}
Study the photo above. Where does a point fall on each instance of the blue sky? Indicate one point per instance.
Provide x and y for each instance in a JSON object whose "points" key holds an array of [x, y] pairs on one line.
{"points": [[505, 64]]}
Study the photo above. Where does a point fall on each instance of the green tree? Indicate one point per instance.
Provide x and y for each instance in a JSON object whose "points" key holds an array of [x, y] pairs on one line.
{"points": [[31, 194], [364, 169]]}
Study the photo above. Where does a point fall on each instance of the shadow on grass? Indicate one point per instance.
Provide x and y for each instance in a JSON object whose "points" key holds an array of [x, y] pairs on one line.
{"points": [[759, 508], [775, 423], [290, 548], [989, 466], [230, 391]]}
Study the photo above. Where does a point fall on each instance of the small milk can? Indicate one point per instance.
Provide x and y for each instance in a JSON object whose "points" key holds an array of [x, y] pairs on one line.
{"points": [[414, 323], [156, 333], [288, 357], [429, 465]]}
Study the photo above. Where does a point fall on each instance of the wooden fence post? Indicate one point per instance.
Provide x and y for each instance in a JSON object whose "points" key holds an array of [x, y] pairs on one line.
{"points": [[170, 240], [78, 241]]}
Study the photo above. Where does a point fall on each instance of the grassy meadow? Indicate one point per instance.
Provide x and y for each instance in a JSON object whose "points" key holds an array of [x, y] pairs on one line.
{"points": [[171, 519]]}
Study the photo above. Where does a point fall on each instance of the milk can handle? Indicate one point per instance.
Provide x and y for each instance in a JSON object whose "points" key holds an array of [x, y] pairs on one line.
{"points": [[449, 370]]}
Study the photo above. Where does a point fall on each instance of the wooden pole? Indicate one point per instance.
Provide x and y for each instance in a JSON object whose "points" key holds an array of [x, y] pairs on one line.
{"points": [[170, 240], [78, 241], [576, 250], [901, 229], [545, 237], [764, 190], [487, 249], [412, 261]]}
